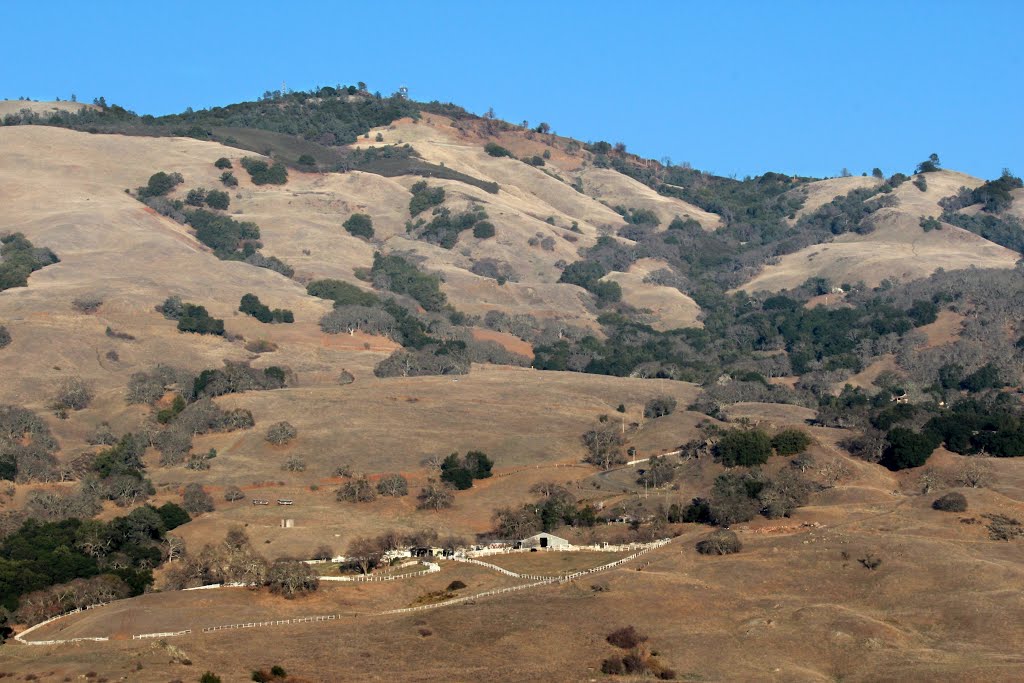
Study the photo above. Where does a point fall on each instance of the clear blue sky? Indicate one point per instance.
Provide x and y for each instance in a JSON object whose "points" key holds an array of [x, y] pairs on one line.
{"points": [[731, 87]]}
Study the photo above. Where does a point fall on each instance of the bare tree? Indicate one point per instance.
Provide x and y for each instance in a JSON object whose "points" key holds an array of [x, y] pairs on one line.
{"points": [[393, 485], [435, 496], [196, 501], [281, 433], [233, 493], [358, 490], [365, 553], [974, 473], [603, 444], [290, 577]]}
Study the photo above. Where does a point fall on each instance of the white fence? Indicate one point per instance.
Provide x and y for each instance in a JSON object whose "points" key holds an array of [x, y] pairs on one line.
{"points": [[166, 634], [20, 636], [431, 568], [369, 578]]}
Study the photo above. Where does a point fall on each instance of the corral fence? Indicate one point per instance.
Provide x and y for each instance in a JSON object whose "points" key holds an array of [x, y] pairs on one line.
{"points": [[431, 568], [20, 636]]}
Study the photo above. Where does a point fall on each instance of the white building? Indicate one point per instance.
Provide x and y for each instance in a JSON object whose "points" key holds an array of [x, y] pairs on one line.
{"points": [[543, 541]]}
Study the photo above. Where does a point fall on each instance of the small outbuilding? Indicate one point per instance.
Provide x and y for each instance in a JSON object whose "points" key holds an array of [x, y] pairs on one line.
{"points": [[543, 541]]}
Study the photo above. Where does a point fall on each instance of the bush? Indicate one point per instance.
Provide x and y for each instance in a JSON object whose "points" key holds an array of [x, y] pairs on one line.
{"points": [[218, 199], [294, 465], [233, 493], [393, 485], [5, 337], [306, 160], [951, 502], [738, 447], [229, 179], [197, 319], [160, 183], [483, 230], [496, 150], [929, 223], [263, 173], [424, 197], [223, 163], [790, 442], [908, 449], [659, 407], [281, 433], [359, 225], [209, 676], [721, 542], [341, 293], [627, 638], [87, 304], [196, 197]]}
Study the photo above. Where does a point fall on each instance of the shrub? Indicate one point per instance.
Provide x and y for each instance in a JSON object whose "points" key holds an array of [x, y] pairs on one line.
{"points": [[721, 542], [218, 199], [359, 225], [281, 433], [260, 346], [393, 485], [921, 183], [790, 442], [929, 223], [613, 666], [223, 163], [5, 337], [263, 173], [306, 160], [87, 304], [233, 493], [401, 276], [738, 447], [160, 183], [196, 319], [229, 179], [341, 293], [250, 305], [908, 449], [659, 407], [209, 676], [424, 197], [196, 197], [627, 638], [951, 502], [270, 263], [483, 230], [456, 585], [496, 150], [294, 465]]}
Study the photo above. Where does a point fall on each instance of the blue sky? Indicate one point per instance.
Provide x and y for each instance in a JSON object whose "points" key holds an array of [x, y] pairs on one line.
{"points": [[734, 88]]}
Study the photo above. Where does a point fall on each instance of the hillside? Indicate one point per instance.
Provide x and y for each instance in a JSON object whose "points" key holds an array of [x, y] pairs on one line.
{"points": [[738, 400]]}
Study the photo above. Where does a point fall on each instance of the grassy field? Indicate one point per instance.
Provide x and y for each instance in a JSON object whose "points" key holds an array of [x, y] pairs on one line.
{"points": [[552, 563]]}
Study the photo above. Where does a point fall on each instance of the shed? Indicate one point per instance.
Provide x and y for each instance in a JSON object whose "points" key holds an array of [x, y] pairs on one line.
{"points": [[543, 541]]}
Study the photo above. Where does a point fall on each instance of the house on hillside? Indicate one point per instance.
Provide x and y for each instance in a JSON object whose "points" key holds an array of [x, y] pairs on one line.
{"points": [[544, 541]]}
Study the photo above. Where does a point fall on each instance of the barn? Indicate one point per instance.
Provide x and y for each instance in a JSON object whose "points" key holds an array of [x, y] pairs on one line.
{"points": [[543, 541]]}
